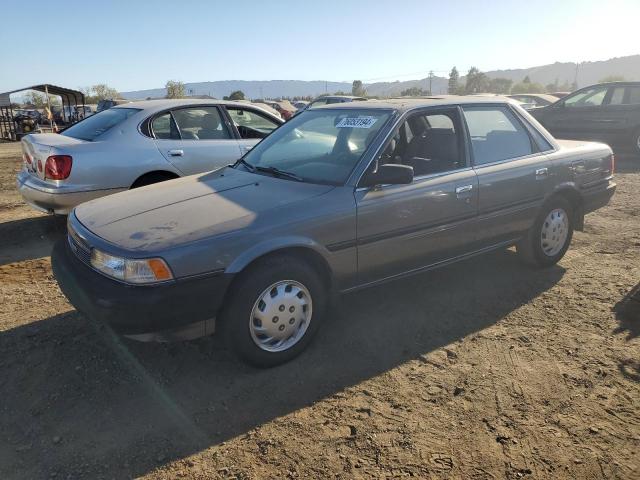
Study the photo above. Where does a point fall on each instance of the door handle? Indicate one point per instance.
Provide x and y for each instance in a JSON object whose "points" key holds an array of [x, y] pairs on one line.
{"points": [[176, 153], [542, 173], [464, 189]]}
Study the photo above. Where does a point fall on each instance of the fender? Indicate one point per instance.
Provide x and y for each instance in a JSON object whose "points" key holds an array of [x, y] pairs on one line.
{"points": [[274, 244]]}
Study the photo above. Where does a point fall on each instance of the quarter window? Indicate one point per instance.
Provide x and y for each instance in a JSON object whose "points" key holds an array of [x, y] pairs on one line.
{"points": [[251, 124], [634, 95], [201, 123], [496, 134]]}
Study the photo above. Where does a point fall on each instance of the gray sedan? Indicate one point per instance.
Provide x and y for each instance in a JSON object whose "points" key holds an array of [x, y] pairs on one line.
{"points": [[136, 144], [337, 199]]}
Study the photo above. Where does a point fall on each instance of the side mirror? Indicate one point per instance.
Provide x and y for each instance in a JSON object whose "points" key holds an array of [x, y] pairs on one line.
{"points": [[389, 174]]}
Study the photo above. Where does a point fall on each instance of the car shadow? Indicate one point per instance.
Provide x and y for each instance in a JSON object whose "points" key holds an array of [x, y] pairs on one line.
{"points": [[627, 163], [30, 238], [628, 313], [94, 404]]}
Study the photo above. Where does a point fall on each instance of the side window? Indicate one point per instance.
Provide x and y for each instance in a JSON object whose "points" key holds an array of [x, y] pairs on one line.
{"points": [[201, 123], [592, 97], [496, 134], [617, 96], [250, 123], [164, 128], [428, 142], [633, 94]]}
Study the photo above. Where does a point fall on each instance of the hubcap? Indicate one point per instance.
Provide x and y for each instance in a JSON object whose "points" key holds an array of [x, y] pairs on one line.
{"points": [[555, 230], [281, 316], [638, 142]]}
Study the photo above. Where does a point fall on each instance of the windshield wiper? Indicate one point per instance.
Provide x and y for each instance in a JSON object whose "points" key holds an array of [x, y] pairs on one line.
{"points": [[250, 167], [277, 172]]}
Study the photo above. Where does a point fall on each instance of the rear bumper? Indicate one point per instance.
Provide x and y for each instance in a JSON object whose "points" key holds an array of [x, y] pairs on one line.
{"points": [[171, 311], [60, 200], [597, 197]]}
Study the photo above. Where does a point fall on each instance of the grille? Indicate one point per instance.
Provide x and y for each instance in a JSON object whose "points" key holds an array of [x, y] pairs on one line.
{"points": [[81, 249]]}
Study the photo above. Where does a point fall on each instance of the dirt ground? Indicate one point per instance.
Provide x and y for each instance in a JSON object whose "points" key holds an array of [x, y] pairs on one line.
{"points": [[481, 370]]}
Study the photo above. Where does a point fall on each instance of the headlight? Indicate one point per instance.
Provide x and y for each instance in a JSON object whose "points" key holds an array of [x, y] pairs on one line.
{"points": [[148, 270]]}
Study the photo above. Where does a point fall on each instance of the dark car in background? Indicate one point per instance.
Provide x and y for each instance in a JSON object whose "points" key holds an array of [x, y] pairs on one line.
{"points": [[606, 112], [107, 104]]}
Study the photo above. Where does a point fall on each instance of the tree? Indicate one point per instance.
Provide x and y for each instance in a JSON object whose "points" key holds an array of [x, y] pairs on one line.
{"points": [[175, 89], [36, 99], [526, 79], [235, 95], [500, 85], [357, 89], [529, 87], [612, 78], [477, 81], [454, 77], [413, 92], [104, 92]]}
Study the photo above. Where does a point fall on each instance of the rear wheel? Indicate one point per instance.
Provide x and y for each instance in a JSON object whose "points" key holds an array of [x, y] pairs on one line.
{"points": [[635, 143], [274, 311], [550, 236]]}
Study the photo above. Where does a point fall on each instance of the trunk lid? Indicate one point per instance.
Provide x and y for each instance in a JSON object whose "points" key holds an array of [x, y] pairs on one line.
{"points": [[39, 146]]}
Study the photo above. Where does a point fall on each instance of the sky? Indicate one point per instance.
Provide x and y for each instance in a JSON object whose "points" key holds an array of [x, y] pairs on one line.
{"points": [[135, 44]]}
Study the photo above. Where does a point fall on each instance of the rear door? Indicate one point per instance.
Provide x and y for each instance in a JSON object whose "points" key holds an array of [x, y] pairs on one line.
{"points": [[512, 169], [619, 116], [251, 125], [195, 139]]}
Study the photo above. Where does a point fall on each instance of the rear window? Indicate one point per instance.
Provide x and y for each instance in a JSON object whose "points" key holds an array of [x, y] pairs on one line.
{"points": [[95, 125]]}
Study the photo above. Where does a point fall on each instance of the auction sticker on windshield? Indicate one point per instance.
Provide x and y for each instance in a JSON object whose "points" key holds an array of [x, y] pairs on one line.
{"points": [[360, 122]]}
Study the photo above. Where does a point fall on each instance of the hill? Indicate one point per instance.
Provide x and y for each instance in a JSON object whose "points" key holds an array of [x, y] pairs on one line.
{"points": [[587, 74]]}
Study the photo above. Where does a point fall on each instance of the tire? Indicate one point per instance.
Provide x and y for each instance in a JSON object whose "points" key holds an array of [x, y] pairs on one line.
{"points": [[635, 143], [549, 238], [247, 331]]}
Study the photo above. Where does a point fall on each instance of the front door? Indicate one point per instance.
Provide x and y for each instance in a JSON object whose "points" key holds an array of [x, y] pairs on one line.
{"points": [[252, 126], [402, 228], [195, 139]]}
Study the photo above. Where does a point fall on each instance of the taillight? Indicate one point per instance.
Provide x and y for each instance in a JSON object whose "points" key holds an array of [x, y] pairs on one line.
{"points": [[57, 167], [40, 165], [613, 163], [27, 158]]}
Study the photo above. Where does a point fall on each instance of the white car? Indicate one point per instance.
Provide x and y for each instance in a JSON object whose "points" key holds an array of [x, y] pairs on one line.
{"points": [[136, 144]]}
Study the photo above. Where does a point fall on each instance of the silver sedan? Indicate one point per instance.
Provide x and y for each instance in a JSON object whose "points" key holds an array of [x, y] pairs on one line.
{"points": [[136, 144]]}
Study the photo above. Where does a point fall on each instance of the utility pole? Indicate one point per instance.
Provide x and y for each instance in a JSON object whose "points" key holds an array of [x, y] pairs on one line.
{"points": [[575, 79], [430, 82]]}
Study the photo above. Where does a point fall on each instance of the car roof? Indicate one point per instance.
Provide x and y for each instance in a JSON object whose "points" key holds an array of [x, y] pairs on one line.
{"points": [[167, 103], [546, 96], [405, 104]]}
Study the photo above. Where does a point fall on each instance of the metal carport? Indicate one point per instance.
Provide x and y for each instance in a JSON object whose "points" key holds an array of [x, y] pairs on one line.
{"points": [[68, 96]]}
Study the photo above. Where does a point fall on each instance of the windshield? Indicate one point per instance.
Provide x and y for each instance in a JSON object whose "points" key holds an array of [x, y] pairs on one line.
{"points": [[95, 125], [319, 146]]}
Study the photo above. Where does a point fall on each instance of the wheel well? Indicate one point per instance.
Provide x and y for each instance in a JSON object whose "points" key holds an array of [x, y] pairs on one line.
{"points": [[153, 177], [575, 200], [306, 255]]}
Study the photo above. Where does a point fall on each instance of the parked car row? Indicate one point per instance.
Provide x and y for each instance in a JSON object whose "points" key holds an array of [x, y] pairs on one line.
{"points": [[341, 197]]}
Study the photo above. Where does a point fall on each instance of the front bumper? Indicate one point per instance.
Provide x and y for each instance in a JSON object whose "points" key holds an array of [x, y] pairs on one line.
{"points": [[598, 196], [181, 309], [55, 199]]}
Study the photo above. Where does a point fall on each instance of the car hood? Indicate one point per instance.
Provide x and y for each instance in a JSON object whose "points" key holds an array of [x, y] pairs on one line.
{"points": [[188, 209]]}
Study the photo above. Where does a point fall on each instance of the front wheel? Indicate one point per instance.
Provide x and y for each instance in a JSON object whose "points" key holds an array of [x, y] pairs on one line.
{"points": [[548, 239], [274, 310]]}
